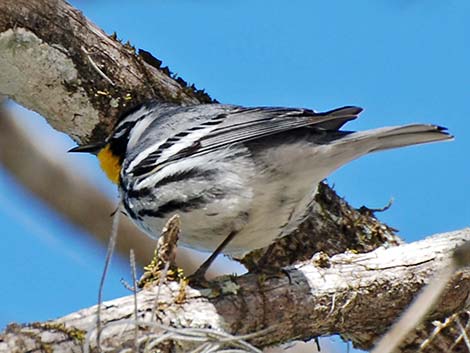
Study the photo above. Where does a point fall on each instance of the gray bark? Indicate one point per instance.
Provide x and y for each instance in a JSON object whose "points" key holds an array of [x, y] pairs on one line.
{"points": [[355, 295]]}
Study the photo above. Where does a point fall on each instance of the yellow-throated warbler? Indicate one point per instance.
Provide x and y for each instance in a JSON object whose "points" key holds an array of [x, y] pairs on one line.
{"points": [[239, 177]]}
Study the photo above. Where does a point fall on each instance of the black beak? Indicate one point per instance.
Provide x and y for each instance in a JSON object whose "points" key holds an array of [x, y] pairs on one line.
{"points": [[93, 148]]}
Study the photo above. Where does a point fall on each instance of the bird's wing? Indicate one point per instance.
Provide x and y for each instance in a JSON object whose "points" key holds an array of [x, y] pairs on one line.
{"points": [[246, 124], [238, 125]]}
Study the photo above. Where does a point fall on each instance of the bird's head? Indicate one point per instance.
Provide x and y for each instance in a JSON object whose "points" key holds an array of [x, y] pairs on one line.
{"points": [[112, 151]]}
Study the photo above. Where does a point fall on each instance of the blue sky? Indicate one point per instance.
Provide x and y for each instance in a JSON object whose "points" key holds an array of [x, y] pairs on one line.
{"points": [[403, 61]]}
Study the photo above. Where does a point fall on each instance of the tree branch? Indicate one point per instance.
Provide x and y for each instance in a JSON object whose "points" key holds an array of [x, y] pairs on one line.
{"points": [[57, 63], [355, 295]]}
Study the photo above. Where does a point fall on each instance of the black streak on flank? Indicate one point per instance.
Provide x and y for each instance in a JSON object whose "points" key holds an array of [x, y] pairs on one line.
{"points": [[143, 168], [172, 206], [130, 212], [185, 175], [147, 165], [165, 145], [143, 192]]}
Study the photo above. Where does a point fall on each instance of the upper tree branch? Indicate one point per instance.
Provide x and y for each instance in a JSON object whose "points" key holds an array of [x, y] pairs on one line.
{"points": [[56, 62]]}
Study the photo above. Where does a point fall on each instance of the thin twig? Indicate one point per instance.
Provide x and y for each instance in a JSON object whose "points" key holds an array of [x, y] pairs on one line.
{"points": [[464, 333], [413, 316], [424, 303], [109, 255], [136, 312]]}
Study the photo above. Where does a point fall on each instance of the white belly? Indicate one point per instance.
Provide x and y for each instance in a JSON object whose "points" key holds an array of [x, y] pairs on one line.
{"points": [[262, 201]]}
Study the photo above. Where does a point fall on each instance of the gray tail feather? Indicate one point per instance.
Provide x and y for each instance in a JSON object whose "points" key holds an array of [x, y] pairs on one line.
{"points": [[399, 136], [411, 135]]}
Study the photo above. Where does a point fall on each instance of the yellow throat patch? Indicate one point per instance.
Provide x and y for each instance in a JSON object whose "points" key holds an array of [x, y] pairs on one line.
{"points": [[110, 163]]}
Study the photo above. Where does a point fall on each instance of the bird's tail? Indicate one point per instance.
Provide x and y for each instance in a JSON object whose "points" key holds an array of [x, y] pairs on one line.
{"points": [[398, 136], [356, 144]]}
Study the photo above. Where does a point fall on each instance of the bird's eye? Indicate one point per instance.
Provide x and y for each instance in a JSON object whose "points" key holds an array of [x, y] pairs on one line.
{"points": [[123, 129]]}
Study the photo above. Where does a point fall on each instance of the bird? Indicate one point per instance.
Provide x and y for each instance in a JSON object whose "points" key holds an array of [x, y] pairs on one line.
{"points": [[239, 177]]}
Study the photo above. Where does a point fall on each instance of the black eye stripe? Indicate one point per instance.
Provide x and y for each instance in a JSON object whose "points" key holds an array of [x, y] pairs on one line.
{"points": [[129, 124], [119, 138], [123, 129]]}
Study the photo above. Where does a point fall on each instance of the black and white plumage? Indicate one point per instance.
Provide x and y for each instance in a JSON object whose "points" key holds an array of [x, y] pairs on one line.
{"points": [[228, 169]]}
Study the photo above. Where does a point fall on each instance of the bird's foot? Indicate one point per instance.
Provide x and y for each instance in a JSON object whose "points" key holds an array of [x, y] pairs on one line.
{"points": [[198, 278]]}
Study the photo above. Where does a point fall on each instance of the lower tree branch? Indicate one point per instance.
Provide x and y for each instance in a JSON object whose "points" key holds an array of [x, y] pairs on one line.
{"points": [[355, 295]]}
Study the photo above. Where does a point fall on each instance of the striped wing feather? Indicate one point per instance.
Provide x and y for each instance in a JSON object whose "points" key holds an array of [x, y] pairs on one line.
{"points": [[241, 125]]}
